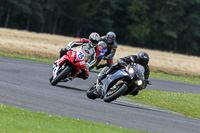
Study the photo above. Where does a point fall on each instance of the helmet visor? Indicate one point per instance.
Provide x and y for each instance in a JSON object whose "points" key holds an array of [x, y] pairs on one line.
{"points": [[95, 42], [110, 40], [143, 62]]}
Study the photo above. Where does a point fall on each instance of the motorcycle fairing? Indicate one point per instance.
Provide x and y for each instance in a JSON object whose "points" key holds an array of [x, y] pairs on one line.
{"points": [[139, 70], [138, 73], [80, 56], [55, 70], [111, 79], [75, 57]]}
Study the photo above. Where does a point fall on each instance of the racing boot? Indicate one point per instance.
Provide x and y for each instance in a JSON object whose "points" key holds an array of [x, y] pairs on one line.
{"points": [[98, 91], [77, 71], [102, 74], [84, 74], [106, 71]]}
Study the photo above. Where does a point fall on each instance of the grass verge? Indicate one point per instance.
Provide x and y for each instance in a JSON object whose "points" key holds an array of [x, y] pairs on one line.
{"points": [[15, 120], [180, 78], [183, 103], [25, 57]]}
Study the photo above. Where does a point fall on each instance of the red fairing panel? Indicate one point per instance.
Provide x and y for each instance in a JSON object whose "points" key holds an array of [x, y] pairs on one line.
{"points": [[75, 57]]}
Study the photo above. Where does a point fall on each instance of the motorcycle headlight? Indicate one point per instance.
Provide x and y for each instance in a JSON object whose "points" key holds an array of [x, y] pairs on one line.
{"points": [[131, 71], [139, 82]]}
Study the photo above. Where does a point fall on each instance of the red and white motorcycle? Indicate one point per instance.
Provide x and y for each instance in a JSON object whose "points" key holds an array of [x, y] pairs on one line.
{"points": [[69, 64]]}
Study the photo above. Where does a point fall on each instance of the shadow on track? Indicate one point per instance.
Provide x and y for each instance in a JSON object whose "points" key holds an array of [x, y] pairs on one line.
{"points": [[70, 88], [138, 107]]}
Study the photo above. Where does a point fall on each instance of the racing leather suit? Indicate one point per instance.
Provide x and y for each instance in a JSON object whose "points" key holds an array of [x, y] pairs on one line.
{"points": [[110, 53], [133, 59], [123, 62]]}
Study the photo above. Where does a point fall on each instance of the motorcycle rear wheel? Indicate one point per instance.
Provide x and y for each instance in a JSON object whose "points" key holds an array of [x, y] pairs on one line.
{"points": [[60, 76], [110, 96], [90, 92]]}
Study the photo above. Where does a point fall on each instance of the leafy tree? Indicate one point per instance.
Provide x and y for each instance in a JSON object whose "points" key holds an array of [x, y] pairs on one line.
{"points": [[138, 25], [170, 25], [14, 8]]}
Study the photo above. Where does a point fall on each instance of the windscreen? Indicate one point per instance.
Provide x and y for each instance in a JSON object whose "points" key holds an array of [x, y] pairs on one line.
{"points": [[139, 69]]}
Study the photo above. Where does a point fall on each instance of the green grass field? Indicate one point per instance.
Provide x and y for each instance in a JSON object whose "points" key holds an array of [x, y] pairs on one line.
{"points": [[15, 120], [186, 79], [186, 104]]}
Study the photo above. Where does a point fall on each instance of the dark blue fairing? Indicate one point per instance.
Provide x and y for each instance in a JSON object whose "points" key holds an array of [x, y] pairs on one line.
{"points": [[112, 78], [127, 76]]}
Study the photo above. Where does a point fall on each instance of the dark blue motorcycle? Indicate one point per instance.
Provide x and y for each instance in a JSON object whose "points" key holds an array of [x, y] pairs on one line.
{"points": [[129, 80]]}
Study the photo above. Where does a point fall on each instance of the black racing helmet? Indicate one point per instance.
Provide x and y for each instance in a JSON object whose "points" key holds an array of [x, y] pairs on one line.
{"points": [[143, 58], [110, 36]]}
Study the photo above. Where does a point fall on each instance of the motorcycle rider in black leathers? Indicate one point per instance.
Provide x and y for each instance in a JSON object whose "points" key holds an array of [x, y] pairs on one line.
{"points": [[142, 58], [109, 39]]}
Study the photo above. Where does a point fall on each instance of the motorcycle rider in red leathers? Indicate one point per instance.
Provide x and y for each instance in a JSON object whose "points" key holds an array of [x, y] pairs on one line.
{"points": [[91, 50]]}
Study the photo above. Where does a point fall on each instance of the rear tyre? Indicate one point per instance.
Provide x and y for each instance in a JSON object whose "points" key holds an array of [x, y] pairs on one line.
{"points": [[60, 76], [114, 94], [90, 92]]}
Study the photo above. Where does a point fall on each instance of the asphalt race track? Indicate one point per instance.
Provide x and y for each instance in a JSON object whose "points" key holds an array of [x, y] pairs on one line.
{"points": [[25, 84]]}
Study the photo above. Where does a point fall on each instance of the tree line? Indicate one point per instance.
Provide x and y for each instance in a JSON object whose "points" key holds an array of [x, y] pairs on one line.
{"points": [[167, 25]]}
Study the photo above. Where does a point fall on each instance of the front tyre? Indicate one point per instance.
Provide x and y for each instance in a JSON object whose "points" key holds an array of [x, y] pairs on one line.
{"points": [[134, 93], [50, 79], [60, 76], [90, 92], [114, 94]]}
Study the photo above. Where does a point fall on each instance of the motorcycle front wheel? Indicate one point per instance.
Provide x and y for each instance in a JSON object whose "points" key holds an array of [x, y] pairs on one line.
{"points": [[90, 92], [60, 76], [114, 94]]}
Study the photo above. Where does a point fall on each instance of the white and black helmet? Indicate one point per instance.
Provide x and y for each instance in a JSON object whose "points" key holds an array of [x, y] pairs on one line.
{"points": [[94, 38]]}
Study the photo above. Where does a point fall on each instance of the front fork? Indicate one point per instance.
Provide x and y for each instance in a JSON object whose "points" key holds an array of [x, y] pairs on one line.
{"points": [[55, 71], [98, 83], [119, 83]]}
